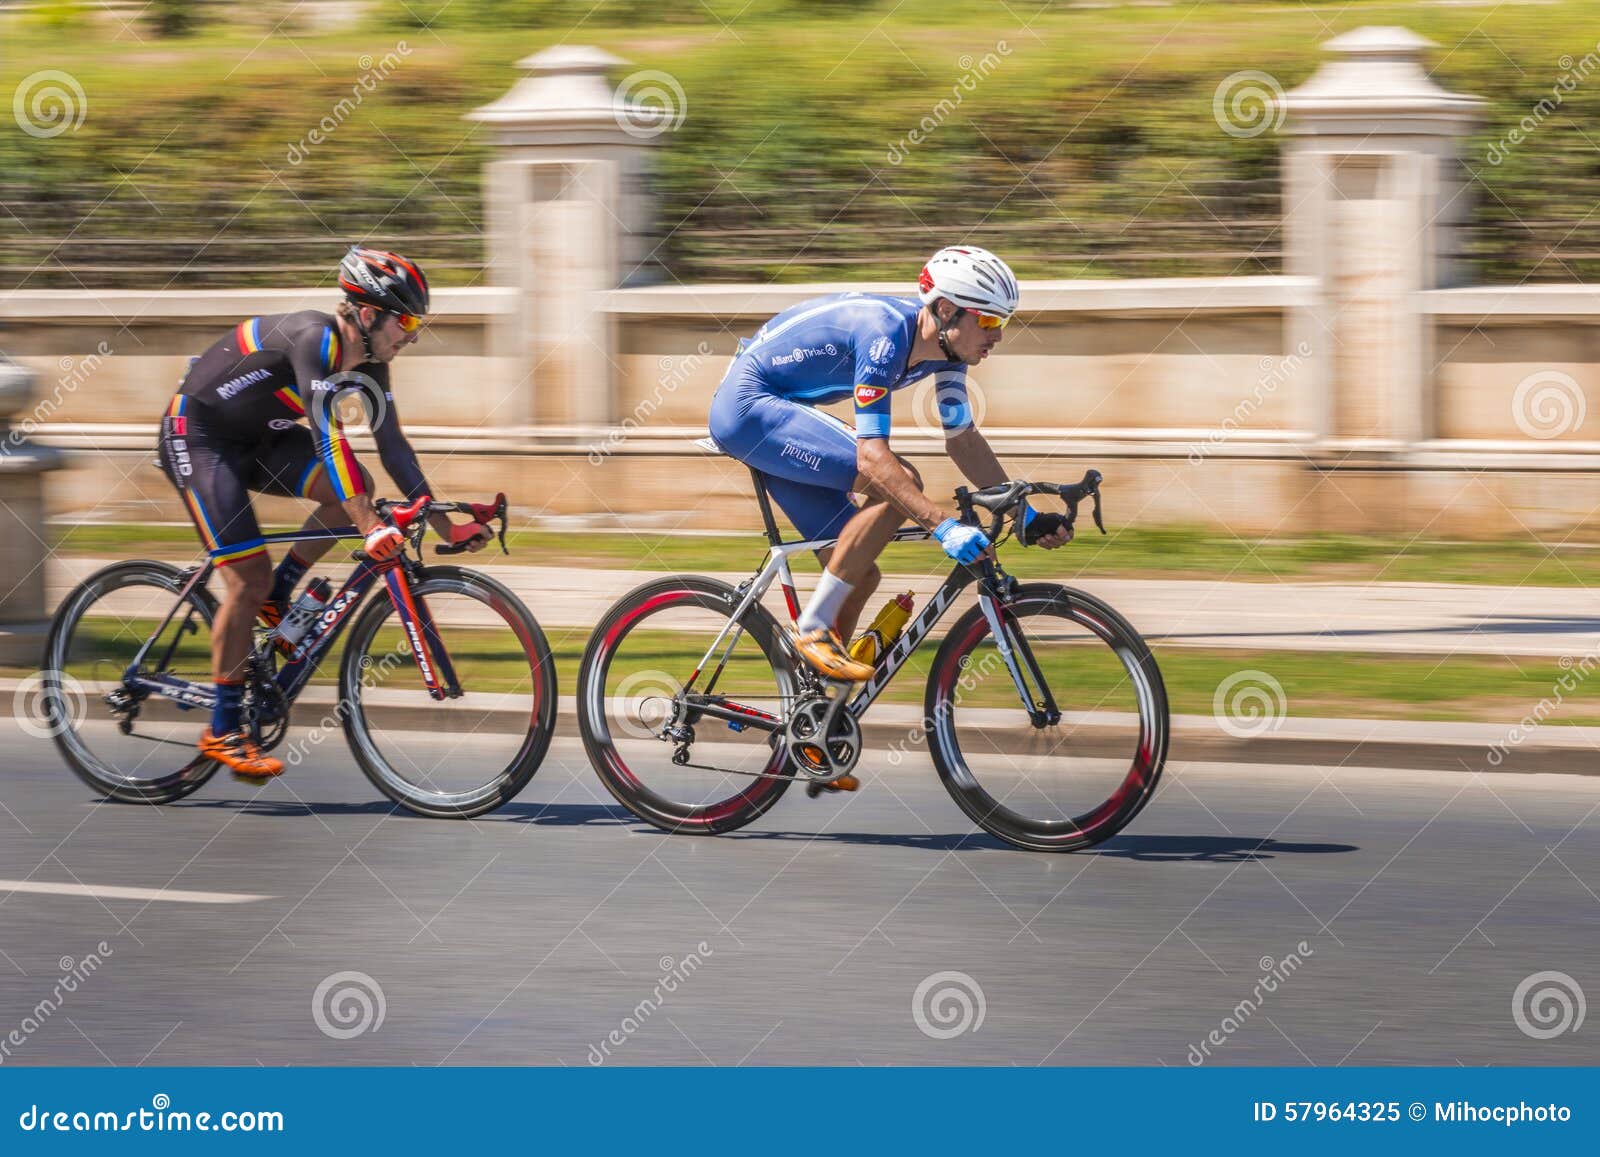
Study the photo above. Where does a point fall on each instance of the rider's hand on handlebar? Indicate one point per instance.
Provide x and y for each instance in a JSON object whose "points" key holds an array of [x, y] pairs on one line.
{"points": [[966, 544], [383, 543], [1048, 530], [474, 535]]}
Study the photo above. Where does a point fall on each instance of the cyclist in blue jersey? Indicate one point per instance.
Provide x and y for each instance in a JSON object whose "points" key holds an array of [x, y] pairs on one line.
{"points": [[868, 345]]}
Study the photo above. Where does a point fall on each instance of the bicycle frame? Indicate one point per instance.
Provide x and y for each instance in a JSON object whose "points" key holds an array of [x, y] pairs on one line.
{"points": [[776, 568], [438, 675]]}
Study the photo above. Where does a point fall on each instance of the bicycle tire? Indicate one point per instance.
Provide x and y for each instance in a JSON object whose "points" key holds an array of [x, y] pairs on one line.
{"points": [[59, 710], [1145, 762], [619, 779], [512, 778]]}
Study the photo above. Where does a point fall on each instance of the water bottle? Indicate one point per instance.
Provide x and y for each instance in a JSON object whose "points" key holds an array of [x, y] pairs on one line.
{"points": [[872, 644], [304, 612]]}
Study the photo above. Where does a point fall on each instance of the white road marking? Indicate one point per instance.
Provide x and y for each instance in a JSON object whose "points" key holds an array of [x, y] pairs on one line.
{"points": [[112, 892]]}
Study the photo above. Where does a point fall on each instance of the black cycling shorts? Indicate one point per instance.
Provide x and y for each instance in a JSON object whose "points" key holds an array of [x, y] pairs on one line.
{"points": [[215, 476]]}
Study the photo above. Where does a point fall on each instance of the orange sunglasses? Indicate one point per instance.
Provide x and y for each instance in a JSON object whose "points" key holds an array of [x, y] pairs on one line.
{"points": [[409, 323], [989, 321]]}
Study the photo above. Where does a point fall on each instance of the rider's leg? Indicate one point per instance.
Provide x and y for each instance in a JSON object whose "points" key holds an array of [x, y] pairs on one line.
{"points": [[854, 557], [330, 512]]}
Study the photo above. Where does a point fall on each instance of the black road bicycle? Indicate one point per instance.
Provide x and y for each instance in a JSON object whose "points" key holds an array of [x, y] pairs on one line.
{"points": [[1044, 711], [126, 683]]}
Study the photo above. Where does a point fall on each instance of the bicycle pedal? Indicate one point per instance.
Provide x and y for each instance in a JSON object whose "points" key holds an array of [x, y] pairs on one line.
{"points": [[843, 783]]}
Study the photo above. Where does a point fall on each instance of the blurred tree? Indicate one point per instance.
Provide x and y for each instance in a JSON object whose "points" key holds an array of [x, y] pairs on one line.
{"points": [[174, 17]]}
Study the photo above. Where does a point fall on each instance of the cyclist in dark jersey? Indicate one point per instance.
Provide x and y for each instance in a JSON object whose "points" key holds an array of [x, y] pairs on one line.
{"points": [[235, 426], [868, 346]]}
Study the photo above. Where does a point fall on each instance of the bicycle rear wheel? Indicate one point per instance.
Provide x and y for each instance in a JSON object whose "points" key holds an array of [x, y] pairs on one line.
{"points": [[126, 744], [631, 691], [452, 758], [1070, 784]]}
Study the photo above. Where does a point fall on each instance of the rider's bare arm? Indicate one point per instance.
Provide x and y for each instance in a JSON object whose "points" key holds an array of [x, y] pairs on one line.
{"points": [[975, 458], [878, 472], [971, 453]]}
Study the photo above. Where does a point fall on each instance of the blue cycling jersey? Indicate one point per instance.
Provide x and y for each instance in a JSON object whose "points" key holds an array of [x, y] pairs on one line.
{"points": [[826, 349]]}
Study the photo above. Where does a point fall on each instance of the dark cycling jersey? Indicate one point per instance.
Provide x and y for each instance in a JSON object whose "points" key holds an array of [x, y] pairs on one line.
{"points": [[271, 371], [235, 427]]}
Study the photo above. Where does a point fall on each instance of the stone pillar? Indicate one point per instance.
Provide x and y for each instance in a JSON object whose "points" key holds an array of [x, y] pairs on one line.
{"points": [[569, 218], [1372, 190], [22, 531]]}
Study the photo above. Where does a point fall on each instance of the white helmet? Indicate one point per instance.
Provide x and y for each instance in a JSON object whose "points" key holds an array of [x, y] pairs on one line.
{"points": [[972, 278]]}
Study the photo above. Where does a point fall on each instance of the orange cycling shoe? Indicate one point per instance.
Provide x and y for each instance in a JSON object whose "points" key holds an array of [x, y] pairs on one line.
{"points": [[239, 754], [825, 652], [843, 783]]}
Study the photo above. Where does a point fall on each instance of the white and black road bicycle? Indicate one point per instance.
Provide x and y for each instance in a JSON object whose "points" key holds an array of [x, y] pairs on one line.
{"points": [[1044, 711]]}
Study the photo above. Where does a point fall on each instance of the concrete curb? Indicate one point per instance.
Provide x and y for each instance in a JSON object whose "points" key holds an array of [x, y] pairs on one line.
{"points": [[1310, 742]]}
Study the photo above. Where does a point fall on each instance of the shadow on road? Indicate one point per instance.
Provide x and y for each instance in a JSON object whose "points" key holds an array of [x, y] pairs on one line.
{"points": [[1209, 849], [555, 814]]}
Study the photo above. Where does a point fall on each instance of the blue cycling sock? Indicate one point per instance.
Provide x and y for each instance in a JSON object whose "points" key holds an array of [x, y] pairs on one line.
{"points": [[290, 571], [225, 715]]}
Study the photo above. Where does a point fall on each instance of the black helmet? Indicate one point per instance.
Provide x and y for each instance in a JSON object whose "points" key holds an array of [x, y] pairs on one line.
{"points": [[385, 280]]}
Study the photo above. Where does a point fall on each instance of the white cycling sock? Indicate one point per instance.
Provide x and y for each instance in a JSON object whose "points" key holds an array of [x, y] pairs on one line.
{"points": [[822, 611]]}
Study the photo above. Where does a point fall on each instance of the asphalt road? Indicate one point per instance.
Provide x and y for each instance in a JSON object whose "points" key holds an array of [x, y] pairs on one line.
{"points": [[1392, 916]]}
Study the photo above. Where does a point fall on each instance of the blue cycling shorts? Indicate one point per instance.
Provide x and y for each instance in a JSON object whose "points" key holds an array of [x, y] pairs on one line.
{"points": [[807, 458]]}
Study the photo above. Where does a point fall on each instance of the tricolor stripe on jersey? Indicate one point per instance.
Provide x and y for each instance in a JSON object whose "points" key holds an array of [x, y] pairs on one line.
{"points": [[249, 336]]}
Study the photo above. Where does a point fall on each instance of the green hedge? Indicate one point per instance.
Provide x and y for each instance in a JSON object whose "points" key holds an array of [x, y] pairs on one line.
{"points": [[1089, 148]]}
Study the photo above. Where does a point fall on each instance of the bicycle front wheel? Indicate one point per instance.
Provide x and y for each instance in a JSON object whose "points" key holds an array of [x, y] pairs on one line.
{"points": [[121, 740], [1068, 784], [451, 758], [648, 677]]}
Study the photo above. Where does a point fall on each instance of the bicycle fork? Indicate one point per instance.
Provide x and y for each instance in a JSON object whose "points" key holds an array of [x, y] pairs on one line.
{"points": [[422, 635], [1020, 663]]}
